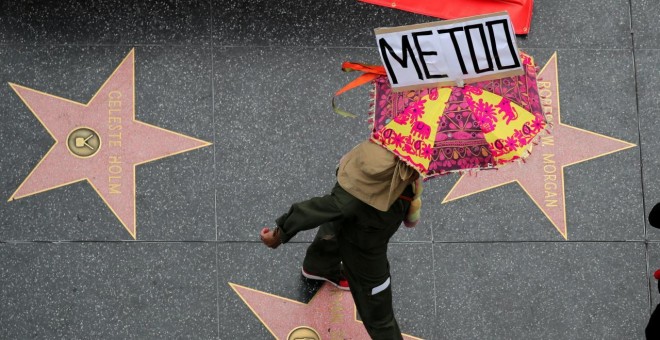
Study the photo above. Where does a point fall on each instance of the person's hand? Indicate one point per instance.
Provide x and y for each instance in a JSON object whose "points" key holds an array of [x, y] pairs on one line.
{"points": [[270, 238]]}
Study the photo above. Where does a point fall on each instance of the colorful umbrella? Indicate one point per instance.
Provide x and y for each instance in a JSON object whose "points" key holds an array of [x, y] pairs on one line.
{"points": [[447, 129]]}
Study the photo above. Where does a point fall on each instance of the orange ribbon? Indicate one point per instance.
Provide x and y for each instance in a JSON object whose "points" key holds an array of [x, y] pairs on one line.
{"points": [[370, 72]]}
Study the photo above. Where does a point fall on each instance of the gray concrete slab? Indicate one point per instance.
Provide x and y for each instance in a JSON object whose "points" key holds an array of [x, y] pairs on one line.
{"points": [[106, 22], [344, 23], [581, 25], [647, 62], [176, 195], [541, 290], [644, 16], [108, 290]]}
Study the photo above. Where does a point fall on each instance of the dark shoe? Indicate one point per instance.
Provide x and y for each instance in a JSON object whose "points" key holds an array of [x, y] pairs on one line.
{"points": [[341, 284], [654, 216]]}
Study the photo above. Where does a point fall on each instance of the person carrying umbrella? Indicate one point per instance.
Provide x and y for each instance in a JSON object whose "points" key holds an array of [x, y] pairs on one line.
{"points": [[372, 197]]}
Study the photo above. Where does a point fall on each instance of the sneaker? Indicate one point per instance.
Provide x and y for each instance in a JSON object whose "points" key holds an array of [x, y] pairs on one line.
{"points": [[341, 284]]}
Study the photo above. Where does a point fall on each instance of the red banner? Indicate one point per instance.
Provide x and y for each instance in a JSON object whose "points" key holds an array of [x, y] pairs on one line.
{"points": [[519, 10]]}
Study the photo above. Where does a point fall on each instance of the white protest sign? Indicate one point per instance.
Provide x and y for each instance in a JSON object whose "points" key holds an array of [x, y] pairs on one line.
{"points": [[449, 52]]}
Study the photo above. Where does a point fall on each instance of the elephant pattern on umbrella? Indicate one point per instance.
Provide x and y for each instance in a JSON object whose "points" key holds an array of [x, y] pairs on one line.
{"points": [[462, 137]]}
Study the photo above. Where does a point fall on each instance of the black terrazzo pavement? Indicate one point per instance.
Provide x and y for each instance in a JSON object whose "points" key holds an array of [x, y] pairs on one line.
{"points": [[255, 78]]}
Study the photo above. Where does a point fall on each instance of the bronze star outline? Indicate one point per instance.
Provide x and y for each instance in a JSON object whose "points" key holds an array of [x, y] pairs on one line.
{"points": [[524, 175], [60, 167]]}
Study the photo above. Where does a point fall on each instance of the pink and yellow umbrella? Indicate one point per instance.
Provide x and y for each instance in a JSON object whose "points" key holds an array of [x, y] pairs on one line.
{"points": [[441, 130]]}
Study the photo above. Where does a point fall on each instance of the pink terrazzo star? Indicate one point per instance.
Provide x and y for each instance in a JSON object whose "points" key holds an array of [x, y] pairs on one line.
{"points": [[100, 142], [542, 174], [331, 312]]}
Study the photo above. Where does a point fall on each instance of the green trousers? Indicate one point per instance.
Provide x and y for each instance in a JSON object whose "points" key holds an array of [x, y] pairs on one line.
{"points": [[357, 237]]}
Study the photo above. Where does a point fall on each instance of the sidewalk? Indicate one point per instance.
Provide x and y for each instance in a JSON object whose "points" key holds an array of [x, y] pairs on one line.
{"points": [[247, 84]]}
